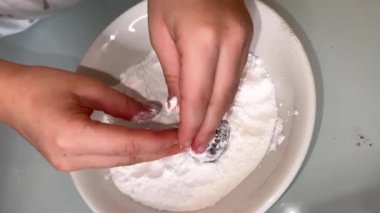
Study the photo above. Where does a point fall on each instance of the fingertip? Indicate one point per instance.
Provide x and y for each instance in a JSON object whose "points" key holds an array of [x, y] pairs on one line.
{"points": [[205, 134], [190, 123], [199, 148], [202, 148]]}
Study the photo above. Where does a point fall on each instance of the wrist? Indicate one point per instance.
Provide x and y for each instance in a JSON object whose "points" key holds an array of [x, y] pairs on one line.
{"points": [[8, 79]]}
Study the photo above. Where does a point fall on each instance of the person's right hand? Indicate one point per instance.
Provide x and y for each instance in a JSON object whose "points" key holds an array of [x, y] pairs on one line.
{"points": [[202, 46], [51, 108]]}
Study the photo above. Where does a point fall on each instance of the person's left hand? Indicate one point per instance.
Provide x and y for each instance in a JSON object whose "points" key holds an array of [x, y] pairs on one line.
{"points": [[202, 46], [52, 109]]}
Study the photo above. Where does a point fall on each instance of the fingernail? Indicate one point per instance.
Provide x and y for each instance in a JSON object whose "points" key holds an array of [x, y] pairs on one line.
{"points": [[143, 116], [153, 108]]}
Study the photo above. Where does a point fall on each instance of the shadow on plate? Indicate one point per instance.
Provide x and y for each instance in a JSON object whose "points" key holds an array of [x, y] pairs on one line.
{"points": [[312, 55]]}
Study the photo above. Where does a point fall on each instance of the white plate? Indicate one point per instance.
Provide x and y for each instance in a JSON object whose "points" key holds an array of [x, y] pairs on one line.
{"points": [[126, 42]]}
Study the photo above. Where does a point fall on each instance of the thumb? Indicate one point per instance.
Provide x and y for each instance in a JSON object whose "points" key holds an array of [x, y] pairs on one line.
{"points": [[98, 96]]}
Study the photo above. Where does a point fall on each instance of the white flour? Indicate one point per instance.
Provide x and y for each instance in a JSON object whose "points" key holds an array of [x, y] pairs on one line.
{"points": [[181, 183]]}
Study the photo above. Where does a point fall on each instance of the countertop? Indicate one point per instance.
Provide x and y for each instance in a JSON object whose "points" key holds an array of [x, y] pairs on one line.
{"points": [[342, 170]]}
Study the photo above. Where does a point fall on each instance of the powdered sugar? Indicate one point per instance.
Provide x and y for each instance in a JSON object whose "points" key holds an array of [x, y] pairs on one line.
{"points": [[171, 106], [181, 183]]}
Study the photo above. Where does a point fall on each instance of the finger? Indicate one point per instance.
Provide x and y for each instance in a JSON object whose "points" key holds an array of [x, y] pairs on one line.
{"points": [[232, 59], [106, 139], [96, 95], [199, 56], [104, 161], [165, 48]]}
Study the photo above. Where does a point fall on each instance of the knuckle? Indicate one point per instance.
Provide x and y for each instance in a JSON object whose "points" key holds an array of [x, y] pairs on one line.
{"points": [[61, 164], [96, 84], [126, 150], [204, 37], [61, 143], [171, 79], [206, 33], [130, 148], [240, 32], [244, 24], [245, 28], [83, 83], [63, 140], [132, 160]]}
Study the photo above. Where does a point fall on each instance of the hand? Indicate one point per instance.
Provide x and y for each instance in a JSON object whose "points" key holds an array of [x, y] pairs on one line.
{"points": [[51, 109], [202, 46]]}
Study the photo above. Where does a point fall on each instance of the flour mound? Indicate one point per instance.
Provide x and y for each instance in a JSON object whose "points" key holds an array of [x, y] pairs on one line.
{"points": [[180, 182]]}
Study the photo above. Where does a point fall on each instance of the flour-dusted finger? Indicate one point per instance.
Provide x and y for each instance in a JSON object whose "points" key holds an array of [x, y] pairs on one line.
{"points": [[107, 139], [198, 65], [107, 161], [232, 58]]}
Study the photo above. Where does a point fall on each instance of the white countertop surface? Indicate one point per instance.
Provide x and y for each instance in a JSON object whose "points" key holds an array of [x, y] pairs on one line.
{"points": [[342, 172]]}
